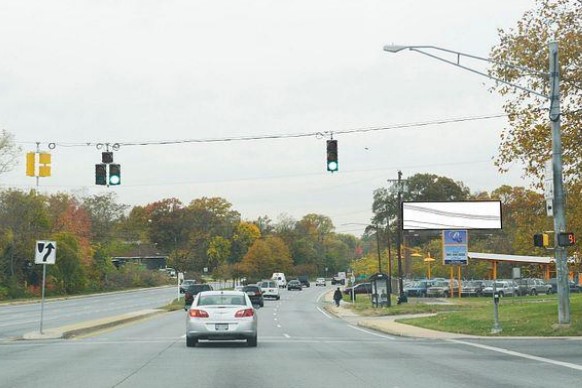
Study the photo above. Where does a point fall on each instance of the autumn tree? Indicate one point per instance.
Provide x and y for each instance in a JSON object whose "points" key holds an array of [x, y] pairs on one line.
{"points": [[105, 213], [9, 152], [528, 136], [244, 236]]}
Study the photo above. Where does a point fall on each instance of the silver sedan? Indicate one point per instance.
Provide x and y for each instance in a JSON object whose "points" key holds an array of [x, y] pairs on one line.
{"points": [[221, 315]]}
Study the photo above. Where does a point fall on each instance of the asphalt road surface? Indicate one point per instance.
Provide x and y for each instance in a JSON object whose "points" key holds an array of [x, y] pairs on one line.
{"points": [[300, 345]]}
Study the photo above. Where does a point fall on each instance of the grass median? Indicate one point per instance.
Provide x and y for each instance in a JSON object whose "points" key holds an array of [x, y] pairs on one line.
{"points": [[518, 316]]}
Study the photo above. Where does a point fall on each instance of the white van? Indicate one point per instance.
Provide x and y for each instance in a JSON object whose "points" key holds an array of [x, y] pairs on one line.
{"points": [[279, 277]]}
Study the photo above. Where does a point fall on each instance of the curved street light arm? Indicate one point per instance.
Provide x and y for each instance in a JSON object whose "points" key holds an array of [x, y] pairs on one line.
{"points": [[418, 49]]}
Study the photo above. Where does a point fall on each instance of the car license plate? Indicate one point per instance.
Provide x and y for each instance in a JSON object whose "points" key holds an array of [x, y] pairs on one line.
{"points": [[221, 326]]}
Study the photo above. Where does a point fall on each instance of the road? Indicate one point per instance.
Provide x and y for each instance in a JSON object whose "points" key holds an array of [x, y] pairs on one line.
{"points": [[300, 345]]}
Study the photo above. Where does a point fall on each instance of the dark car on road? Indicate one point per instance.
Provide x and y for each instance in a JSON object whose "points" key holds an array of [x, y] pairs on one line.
{"points": [[304, 281], [255, 294], [193, 290], [362, 288], [294, 285], [185, 284]]}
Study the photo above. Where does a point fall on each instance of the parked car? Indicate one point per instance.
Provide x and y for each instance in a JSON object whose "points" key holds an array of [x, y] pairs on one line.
{"points": [[532, 286], [221, 315], [418, 288], [502, 287], [304, 280], [362, 288], [294, 285], [185, 284], [442, 288], [472, 287], [255, 294], [573, 286], [270, 289], [320, 282], [192, 290]]}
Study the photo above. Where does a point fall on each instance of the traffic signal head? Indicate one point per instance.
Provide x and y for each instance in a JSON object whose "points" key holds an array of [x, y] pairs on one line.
{"points": [[541, 240], [107, 157], [30, 163], [332, 160], [114, 174], [101, 174]]}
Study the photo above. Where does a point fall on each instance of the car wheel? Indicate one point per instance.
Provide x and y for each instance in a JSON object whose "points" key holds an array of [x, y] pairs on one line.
{"points": [[533, 292], [252, 342], [278, 297], [191, 342], [262, 304]]}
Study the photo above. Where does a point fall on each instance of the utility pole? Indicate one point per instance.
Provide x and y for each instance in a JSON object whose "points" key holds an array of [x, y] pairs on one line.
{"points": [[558, 208], [555, 116]]}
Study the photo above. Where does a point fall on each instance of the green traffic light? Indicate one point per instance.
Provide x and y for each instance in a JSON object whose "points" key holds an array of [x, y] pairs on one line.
{"points": [[114, 174]]}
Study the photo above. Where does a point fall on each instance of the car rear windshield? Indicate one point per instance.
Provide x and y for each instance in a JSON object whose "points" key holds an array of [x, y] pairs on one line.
{"points": [[268, 285], [222, 300], [196, 288], [251, 288]]}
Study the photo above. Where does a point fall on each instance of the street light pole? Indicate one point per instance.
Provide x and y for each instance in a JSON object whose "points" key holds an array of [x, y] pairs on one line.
{"points": [[401, 296], [555, 115], [378, 245]]}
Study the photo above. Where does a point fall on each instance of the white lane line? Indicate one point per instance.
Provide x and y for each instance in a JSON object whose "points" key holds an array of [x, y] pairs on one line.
{"points": [[517, 354], [286, 335], [279, 326], [372, 333], [324, 313]]}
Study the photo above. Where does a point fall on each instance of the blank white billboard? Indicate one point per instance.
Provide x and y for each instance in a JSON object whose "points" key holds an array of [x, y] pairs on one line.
{"points": [[451, 215]]}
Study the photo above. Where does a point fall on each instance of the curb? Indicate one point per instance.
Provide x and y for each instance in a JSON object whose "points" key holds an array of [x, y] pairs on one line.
{"points": [[86, 327]]}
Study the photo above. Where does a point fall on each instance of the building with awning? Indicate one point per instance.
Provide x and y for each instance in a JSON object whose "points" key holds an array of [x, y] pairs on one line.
{"points": [[546, 262]]}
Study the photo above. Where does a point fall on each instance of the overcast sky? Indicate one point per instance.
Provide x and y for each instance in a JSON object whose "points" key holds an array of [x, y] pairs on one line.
{"points": [[77, 73]]}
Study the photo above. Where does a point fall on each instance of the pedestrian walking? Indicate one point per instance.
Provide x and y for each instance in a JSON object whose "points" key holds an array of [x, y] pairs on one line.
{"points": [[337, 296]]}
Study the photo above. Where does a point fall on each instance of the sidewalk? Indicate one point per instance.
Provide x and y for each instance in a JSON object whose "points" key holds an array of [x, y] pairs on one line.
{"points": [[387, 324]]}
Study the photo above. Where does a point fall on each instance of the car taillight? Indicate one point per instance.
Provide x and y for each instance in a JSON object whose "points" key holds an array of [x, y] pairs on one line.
{"points": [[195, 313], [244, 313]]}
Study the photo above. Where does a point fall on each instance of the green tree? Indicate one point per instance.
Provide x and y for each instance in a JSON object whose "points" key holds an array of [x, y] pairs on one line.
{"points": [[68, 270], [528, 137]]}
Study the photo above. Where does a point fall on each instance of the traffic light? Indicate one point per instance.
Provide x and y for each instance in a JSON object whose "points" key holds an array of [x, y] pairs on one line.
{"points": [[30, 163], [101, 174], [566, 239], [114, 174], [107, 157], [332, 161], [541, 240]]}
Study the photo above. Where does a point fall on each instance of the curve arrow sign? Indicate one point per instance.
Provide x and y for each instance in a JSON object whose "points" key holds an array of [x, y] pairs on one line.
{"points": [[46, 252]]}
